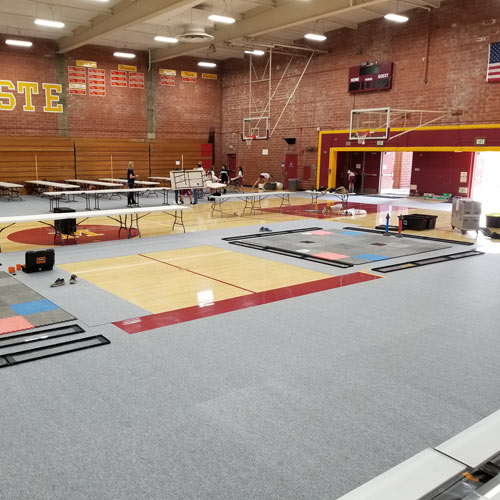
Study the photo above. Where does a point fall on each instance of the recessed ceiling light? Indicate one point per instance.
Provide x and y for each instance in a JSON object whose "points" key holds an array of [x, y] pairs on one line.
{"points": [[316, 37], [19, 43], [49, 23], [222, 19], [127, 55], [255, 52], [397, 18], [207, 64], [166, 39]]}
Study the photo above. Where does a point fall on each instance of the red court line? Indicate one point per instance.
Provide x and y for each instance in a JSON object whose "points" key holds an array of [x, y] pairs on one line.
{"points": [[144, 323], [194, 272]]}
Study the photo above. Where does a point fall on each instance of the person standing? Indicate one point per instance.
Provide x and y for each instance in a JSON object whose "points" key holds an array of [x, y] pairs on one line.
{"points": [[131, 183], [224, 177], [195, 191], [351, 179]]}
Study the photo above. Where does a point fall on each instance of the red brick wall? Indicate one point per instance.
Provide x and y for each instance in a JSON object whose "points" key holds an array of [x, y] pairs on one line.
{"points": [[458, 51], [121, 113], [35, 64], [402, 169], [187, 110], [181, 112]]}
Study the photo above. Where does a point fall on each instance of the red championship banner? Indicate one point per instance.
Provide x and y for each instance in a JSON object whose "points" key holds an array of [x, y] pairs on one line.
{"points": [[97, 82], [136, 80], [77, 80], [167, 80], [188, 79], [118, 78]]}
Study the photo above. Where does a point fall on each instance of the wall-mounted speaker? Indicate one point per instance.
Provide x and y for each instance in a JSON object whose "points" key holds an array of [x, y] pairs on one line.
{"points": [[289, 140]]}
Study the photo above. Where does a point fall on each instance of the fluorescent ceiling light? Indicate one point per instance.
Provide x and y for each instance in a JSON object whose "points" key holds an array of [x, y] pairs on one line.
{"points": [[221, 19], [19, 43], [397, 18], [315, 36], [166, 39], [207, 64], [255, 52], [49, 23], [127, 55]]}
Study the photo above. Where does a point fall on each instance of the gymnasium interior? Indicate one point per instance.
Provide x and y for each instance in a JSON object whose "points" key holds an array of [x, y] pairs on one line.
{"points": [[319, 323]]}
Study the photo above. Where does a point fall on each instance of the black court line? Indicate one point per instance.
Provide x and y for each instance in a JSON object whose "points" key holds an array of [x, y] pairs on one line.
{"points": [[40, 335], [270, 233], [411, 236], [19, 357], [425, 262]]}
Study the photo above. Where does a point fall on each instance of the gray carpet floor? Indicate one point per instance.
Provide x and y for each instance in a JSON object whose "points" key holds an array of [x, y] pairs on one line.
{"points": [[301, 399]]}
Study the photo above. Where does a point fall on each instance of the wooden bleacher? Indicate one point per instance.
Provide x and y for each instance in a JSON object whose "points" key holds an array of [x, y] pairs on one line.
{"points": [[164, 154], [61, 158], [93, 158], [54, 155]]}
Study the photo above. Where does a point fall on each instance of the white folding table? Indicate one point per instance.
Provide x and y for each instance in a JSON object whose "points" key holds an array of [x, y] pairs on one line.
{"points": [[128, 218]]}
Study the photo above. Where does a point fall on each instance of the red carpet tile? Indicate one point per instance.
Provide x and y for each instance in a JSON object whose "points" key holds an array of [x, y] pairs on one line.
{"points": [[14, 324], [144, 323]]}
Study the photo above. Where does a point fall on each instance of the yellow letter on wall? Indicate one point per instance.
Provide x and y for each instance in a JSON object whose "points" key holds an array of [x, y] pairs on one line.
{"points": [[28, 89], [52, 104], [7, 100]]}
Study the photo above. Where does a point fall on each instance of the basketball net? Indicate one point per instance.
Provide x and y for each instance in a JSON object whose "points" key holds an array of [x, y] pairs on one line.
{"points": [[362, 138], [249, 140]]}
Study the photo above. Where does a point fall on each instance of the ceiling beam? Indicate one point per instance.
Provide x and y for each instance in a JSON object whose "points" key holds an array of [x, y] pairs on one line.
{"points": [[432, 3], [344, 24], [129, 15], [266, 22]]}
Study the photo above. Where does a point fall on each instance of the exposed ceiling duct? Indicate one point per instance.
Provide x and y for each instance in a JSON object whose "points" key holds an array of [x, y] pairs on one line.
{"points": [[194, 34]]}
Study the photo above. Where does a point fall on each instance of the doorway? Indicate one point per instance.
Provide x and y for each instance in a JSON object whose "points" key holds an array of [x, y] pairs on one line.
{"points": [[486, 181], [291, 171], [231, 165], [366, 165]]}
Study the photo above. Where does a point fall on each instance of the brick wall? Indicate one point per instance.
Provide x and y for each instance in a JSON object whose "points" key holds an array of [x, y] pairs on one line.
{"points": [[402, 169], [121, 113], [187, 110], [455, 79], [36, 64]]}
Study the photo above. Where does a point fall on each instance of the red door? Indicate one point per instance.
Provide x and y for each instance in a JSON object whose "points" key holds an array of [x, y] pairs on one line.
{"points": [[231, 165], [291, 171], [370, 176], [387, 170]]}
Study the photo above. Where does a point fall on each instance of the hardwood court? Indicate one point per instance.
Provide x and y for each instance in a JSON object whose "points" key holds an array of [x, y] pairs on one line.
{"points": [[197, 276]]}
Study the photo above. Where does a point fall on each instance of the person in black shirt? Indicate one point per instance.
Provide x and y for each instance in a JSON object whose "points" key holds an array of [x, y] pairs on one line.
{"points": [[131, 182], [224, 177]]}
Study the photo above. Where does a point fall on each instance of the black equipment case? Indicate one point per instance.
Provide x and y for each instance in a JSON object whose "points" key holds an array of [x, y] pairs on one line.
{"points": [[39, 260]]}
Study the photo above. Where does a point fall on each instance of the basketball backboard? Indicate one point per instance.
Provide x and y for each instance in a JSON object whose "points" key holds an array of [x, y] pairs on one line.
{"points": [[255, 128], [370, 124]]}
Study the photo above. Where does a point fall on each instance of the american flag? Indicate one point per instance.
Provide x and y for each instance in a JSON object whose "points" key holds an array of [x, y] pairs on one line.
{"points": [[494, 63]]}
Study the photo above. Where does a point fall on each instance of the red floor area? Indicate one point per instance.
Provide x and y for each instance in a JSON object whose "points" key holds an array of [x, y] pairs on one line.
{"points": [[314, 210], [84, 234], [144, 323]]}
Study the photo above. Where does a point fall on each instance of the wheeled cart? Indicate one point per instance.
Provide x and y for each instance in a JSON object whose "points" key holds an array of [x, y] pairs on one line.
{"points": [[465, 214]]}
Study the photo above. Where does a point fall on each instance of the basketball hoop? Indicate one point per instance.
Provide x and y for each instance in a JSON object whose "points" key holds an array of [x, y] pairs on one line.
{"points": [[249, 140], [362, 138]]}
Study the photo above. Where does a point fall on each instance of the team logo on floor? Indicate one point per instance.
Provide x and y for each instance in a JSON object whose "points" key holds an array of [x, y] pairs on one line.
{"points": [[84, 234]]}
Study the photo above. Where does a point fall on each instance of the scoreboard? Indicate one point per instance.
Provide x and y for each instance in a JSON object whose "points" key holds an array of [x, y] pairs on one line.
{"points": [[370, 77]]}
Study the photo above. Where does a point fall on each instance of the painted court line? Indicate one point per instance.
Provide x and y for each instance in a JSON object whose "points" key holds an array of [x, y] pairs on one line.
{"points": [[144, 323], [198, 274]]}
